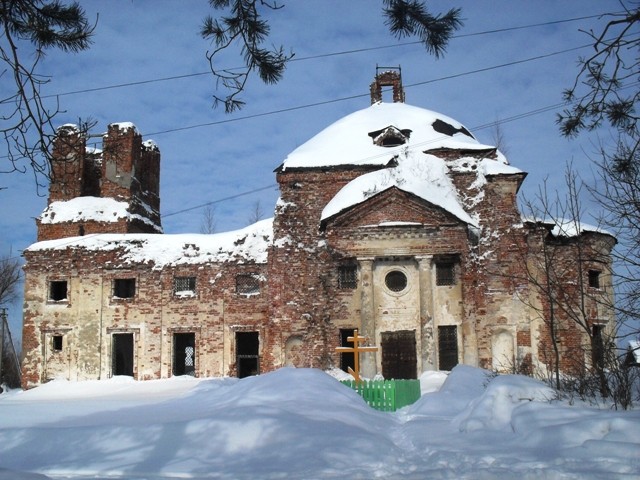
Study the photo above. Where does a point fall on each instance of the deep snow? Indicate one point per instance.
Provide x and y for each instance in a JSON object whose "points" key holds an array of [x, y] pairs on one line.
{"points": [[302, 423]]}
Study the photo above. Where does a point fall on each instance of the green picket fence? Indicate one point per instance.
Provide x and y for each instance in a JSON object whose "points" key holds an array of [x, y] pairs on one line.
{"points": [[386, 395]]}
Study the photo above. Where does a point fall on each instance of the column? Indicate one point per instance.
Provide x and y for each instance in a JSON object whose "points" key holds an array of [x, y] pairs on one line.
{"points": [[367, 316], [427, 333]]}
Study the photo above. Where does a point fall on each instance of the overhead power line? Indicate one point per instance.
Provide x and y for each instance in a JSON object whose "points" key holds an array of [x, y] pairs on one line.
{"points": [[267, 187], [315, 57], [361, 95], [220, 200]]}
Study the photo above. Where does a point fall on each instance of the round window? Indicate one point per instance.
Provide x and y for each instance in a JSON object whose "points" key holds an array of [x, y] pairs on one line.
{"points": [[396, 281]]}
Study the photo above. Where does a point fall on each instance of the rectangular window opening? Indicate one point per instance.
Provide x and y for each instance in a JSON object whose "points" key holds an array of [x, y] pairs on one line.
{"points": [[247, 284], [58, 290], [56, 343], [445, 273], [184, 286], [348, 277], [597, 345], [594, 278], [447, 347], [124, 287]]}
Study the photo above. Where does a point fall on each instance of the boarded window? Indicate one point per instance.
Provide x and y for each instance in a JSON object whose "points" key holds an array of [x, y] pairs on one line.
{"points": [[445, 273], [124, 287], [58, 290], [348, 277], [594, 279], [447, 347], [247, 284], [247, 354], [184, 353], [399, 359], [56, 343], [347, 359], [184, 285], [122, 354]]}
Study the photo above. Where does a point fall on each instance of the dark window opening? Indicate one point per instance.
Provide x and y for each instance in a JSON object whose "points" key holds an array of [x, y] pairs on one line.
{"points": [[447, 347], [348, 277], [396, 281], [390, 136], [124, 287], [56, 343], [81, 230], [247, 354], [347, 359], [247, 284], [445, 274], [399, 358], [184, 285], [597, 345], [594, 279], [58, 290], [122, 354], [184, 354]]}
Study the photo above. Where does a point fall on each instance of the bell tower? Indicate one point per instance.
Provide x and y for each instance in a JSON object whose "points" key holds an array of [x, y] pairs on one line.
{"points": [[115, 189], [387, 77]]}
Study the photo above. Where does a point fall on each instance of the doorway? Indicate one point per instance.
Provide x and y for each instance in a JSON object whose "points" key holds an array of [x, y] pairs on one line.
{"points": [[122, 354], [184, 354], [347, 359], [247, 354], [399, 359]]}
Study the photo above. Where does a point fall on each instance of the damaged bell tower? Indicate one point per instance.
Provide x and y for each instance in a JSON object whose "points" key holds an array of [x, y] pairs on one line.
{"points": [[387, 77]]}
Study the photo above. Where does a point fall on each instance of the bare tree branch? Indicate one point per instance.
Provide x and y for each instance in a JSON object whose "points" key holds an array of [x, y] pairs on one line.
{"points": [[28, 28], [244, 25], [10, 275]]}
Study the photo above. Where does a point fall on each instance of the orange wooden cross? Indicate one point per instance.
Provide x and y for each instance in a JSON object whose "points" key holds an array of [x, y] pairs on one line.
{"points": [[356, 349]]}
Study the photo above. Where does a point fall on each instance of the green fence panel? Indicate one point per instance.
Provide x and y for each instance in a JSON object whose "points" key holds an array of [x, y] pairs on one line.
{"points": [[386, 395], [406, 392]]}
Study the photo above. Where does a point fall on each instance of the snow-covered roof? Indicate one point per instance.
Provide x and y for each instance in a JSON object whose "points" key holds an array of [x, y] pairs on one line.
{"points": [[359, 139], [83, 209], [124, 126], [564, 227], [348, 141], [249, 244], [422, 175]]}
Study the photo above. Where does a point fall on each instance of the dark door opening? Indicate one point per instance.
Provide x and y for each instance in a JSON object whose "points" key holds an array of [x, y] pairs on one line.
{"points": [[447, 347], [346, 359], [122, 354], [247, 357], [399, 358], [184, 354]]}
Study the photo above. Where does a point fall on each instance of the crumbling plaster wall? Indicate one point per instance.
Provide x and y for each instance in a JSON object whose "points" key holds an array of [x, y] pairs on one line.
{"points": [[90, 315]]}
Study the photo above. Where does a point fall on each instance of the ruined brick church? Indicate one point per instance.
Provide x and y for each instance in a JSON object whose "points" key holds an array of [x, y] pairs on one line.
{"points": [[394, 221]]}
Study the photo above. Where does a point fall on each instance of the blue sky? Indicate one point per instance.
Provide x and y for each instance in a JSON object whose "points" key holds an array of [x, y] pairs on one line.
{"points": [[148, 40]]}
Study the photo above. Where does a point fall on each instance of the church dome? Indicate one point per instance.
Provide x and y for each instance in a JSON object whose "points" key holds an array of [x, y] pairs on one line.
{"points": [[376, 135]]}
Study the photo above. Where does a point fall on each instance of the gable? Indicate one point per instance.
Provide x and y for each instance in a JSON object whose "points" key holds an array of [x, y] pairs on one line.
{"points": [[392, 207]]}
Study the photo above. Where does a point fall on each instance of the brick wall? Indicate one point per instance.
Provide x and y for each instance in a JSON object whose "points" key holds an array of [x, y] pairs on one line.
{"points": [[91, 314]]}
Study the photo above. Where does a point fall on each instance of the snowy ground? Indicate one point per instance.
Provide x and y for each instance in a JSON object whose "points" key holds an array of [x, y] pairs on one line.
{"points": [[303, 424]]}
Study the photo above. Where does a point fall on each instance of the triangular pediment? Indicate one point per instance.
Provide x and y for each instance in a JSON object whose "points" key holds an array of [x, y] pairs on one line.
{"points": [[392, 207]]}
